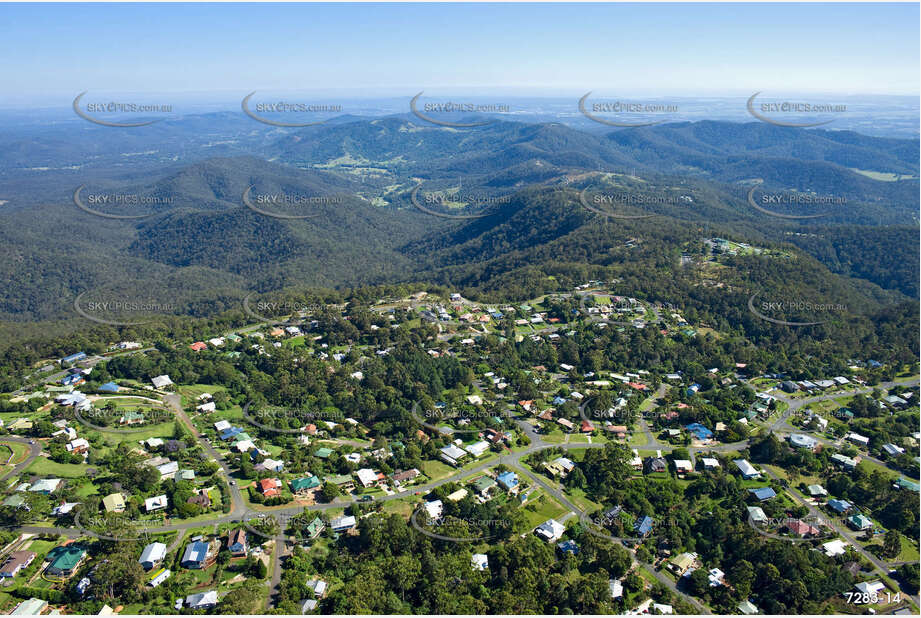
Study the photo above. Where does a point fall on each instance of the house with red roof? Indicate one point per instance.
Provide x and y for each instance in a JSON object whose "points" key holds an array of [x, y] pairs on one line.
{"points": [[270, 487], [801, 528], [198, 346]]}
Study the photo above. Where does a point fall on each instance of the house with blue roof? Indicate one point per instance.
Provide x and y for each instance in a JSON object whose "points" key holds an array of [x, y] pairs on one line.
{"points": [[73, 357], [558, 401], [840, 506], [508, 480], [568, 547], [763, 493], [692, 389], [643, 526], [700, 432], [230, 432], [109, 387]]}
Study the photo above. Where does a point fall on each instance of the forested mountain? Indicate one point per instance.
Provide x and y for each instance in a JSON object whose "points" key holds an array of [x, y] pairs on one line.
{"points": [[698, 179]]}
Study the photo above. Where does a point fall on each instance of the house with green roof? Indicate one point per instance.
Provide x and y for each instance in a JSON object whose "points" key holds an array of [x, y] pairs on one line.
{"points": [[860, 522], [314, 528], [343, 481], [132, 417], [323, 452], [304, 484], [904, 483], [16, 501], [484, 485], [65, 559]]}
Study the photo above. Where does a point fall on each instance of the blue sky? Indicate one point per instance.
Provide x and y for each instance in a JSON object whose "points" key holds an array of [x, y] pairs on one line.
{"points": [[391, 50]]}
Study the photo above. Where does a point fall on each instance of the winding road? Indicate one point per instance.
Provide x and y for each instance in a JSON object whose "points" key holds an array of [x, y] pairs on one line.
{"points": [[239, 509]]}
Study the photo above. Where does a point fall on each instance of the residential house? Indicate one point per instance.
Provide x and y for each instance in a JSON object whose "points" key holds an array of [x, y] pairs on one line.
{"points": [[156, 503], [839, 506], [748, 471], [404, 476], [161, 381], [859, 521], [45, 486], [479, 562], [199, 554], [159, 577], [15, 562], [844, 461], [643, 526], [834, 548], [341, 524], [303, 485], [484, 486], [114, 503], [30, 607], [801, 528], [201, 498], [236, 542], [551, 530], [152, 555], [763, 493], [756, 514], [710, 463], [682, 562], [201, 600], [817, 491], [799, 440], [452, 454], [65, 559], [508, 480], [270, 487], [367, 477]]}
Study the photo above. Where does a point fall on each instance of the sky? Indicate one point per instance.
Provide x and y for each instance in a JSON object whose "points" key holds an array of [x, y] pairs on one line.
{"points": [[52, 50]]}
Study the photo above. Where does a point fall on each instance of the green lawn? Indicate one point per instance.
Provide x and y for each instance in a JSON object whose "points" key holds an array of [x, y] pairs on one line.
{"points": [[46, 467], [436, 470], [541, 509]]}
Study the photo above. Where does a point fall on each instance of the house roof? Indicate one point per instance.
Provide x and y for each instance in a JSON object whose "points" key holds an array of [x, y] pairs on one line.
{"points": [[763, 493]]}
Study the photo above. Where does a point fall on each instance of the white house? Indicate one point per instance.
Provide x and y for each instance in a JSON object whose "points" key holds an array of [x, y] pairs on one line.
{"points": [[366, 476], [479, 562], [156, 503], [161, 381], [551, 530]]}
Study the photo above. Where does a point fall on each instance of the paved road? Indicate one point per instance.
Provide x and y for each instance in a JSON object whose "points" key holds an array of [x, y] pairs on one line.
{"points": [[238, 509], [845, 533], [237, 504], [34, 450]]}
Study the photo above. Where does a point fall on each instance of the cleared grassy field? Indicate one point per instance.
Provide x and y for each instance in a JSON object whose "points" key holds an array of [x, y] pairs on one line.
{"points": [[541, 509], [43, 466]]}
